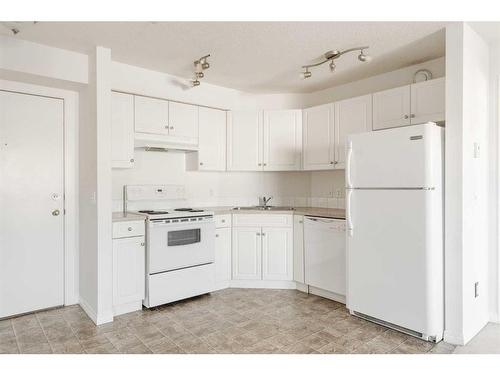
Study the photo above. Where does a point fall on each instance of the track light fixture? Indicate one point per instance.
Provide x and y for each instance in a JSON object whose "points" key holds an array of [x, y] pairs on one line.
{"points": [[200, 65], [333, 55]]}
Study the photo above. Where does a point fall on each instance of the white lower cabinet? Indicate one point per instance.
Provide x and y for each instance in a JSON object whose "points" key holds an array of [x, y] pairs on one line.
{"points": [[128, 272], [263, 251], [222, 257], [277, 253], [247, 253], [298, 248]]}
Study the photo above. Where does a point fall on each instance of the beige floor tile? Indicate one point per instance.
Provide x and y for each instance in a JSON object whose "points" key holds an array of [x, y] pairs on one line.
{"points": [[107, 348], [164, 346]]}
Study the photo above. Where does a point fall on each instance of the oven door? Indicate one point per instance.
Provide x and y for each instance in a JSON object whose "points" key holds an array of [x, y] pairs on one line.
{"points": [[189, 242]]}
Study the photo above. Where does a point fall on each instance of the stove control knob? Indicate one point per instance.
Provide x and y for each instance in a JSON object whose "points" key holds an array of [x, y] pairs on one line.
{"points": [[56, 213]]}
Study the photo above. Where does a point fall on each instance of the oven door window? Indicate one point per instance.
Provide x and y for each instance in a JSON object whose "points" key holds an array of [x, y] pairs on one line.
{"points": [[184, 237]]}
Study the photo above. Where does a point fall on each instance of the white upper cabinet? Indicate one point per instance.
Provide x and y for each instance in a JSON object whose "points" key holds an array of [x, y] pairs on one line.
{"points": [[151, 115], [428, 101], [391, 108], [351, 116], [183, 122], [411, 104], [282, 140], [211, 155], [244, 134], [122, 130], [318, 137]]}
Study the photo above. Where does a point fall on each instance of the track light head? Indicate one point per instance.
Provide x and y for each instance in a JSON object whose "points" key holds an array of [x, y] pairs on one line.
{"points": [[332, 66], [205, 65], [195, 82], [200, 74], [364, 57], [306, 74]]}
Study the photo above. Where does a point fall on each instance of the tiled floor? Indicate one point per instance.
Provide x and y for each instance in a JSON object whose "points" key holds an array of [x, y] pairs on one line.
{"points": [[228, 321]]}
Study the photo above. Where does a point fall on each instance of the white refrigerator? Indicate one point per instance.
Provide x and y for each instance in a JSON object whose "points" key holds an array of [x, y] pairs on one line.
{"points": [[394, 204]]}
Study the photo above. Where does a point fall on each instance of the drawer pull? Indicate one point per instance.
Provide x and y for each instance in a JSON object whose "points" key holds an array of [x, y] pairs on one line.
{"points": [[130, 229]]}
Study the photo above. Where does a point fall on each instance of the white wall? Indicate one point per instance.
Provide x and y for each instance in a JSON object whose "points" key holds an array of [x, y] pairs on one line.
{"points": [[467, 208], [494, 186], [27, 57], [376, 83]]}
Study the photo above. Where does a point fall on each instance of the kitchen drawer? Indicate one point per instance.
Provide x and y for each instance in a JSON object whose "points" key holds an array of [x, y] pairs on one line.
{"points": [[262, 220], [128, 229], [223, 221]]}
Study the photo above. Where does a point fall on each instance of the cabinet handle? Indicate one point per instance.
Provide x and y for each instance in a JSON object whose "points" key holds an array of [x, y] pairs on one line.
{"points": [[171, 128], [331, 162], [166, 126], [217, 235], [132, 160], [223, 221], [265, 164], [129, 229], [143, 244], [258, 234], [260, 164], [263, 234], [412, 115], [301, 222], [406, 117], [201, 163]]}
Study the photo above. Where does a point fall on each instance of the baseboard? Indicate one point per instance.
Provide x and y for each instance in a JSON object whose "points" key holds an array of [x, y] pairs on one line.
{"points": [[98, 319], [262, 284], [125, 308], [327, 294], [88, 310], [453, 338]]}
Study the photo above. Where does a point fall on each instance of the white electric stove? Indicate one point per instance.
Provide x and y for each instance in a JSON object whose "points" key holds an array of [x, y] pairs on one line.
{"points": [[180, 246]]}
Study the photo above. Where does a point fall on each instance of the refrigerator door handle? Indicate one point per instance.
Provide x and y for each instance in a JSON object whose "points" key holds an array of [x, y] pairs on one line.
{"points": [[350, 228], [348, 164]]}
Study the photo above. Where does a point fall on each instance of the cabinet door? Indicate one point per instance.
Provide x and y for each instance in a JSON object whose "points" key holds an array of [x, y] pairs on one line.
{"points": [[391, 108], [351, 116], [318, 145], [122, 130], [151, 115], [298, 248], [244, 141], [212, 141], [222, 257], [183, 122], [282, 140], [428, 101], [247, 248], [128, 270], [277, 253]]}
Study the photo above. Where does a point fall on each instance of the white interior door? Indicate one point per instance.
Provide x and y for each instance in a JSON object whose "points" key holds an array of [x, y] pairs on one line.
{"points": [[31, 203]]}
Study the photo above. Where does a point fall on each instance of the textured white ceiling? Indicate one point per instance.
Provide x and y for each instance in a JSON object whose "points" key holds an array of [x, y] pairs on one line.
{"points": [[260, 57]]}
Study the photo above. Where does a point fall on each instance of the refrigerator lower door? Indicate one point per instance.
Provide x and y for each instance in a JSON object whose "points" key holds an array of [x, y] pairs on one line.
{"points": [[395, 258]]}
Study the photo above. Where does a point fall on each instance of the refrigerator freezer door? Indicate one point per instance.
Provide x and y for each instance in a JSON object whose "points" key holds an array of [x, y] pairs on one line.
{"points": [[407, 157], [395, 257]]}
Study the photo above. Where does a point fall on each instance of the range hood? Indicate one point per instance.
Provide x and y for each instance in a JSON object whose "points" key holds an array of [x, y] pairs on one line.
{"points": [[153, 142]]}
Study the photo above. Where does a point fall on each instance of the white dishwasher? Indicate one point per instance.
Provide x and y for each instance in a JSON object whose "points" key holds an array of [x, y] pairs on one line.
{"points": [[324, 254]]}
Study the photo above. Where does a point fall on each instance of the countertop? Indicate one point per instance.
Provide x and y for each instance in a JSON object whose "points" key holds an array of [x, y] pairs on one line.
{"points": [[120, 216], [332, 213]]}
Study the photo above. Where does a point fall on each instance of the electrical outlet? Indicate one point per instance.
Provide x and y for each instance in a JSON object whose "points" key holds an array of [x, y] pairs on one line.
{"points": [[476, 289]]}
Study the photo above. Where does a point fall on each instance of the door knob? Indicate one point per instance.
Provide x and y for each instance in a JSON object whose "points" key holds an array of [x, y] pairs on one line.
{"points": [[56, 213]]}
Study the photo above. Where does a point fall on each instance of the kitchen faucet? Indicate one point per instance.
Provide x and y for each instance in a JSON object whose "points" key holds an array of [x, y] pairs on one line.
{"points": [[263, 201]]}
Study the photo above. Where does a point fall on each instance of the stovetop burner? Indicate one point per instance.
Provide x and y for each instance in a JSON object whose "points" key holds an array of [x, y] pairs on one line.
{"points": [[153, 212], [187, 210]]}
